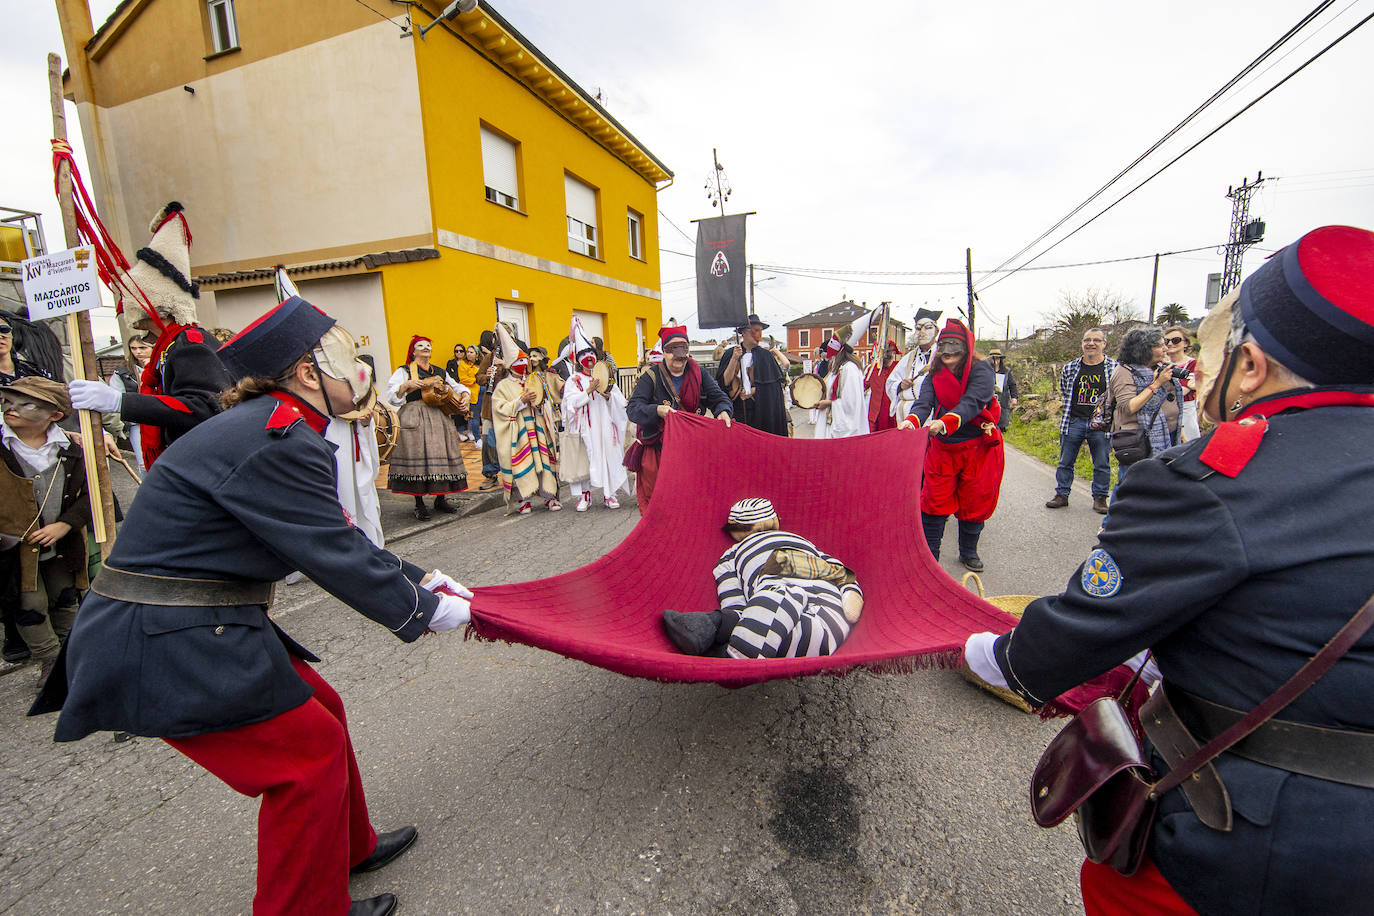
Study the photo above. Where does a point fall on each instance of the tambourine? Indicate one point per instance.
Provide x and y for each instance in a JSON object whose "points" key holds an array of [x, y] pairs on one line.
{"points": [[535, 385], [387, 427], [808, 390], [602, 374]]}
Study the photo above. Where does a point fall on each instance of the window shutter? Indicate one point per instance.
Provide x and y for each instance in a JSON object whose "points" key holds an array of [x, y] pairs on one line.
{"points": [[581, 200], [498, 164]]}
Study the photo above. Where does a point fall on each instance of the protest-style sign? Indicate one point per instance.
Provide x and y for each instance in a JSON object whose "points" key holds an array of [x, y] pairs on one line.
{"points": [[61, 283]]}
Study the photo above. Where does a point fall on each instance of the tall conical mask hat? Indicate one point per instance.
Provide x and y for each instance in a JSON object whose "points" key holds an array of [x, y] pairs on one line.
{"points": [[163, 268]]}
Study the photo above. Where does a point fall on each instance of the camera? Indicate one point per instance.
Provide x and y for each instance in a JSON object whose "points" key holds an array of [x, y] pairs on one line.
{"points": [[1176, 372]]}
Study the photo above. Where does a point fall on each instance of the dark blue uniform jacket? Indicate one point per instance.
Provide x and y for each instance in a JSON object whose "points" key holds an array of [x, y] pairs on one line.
{"points": [[1236, 582], [247, 495]]}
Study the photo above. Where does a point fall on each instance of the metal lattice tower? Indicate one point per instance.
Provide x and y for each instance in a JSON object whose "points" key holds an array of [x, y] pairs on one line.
{"points": [[1243, 232]]}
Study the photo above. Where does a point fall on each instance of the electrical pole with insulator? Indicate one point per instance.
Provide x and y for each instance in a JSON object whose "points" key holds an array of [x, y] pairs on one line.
{"points": [[1244, 231]]}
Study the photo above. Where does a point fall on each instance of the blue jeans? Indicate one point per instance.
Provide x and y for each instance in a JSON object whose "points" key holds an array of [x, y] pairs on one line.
{"points": [[1099, 446]]}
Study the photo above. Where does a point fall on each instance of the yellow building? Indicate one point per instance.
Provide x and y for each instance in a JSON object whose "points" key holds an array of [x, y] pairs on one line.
{"points": [[410, 185]]}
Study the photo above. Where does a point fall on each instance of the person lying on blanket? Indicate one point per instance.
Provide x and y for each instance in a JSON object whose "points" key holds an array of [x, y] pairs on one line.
{"points": [[780, 596]]}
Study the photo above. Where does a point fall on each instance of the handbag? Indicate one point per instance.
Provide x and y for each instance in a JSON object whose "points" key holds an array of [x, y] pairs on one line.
{"points": [[1132, 445], [1096, 768]]}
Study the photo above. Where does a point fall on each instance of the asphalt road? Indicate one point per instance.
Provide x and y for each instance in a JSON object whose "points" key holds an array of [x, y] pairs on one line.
{"points": [[543, 785]]}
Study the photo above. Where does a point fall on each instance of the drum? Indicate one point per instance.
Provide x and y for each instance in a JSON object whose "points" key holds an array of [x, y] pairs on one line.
{"points": [[807, 390], [535, 385], [602, 373], [387, 427]]}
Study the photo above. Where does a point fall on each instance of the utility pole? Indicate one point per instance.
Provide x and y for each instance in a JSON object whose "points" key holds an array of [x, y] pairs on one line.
{"points": [[1154, 285], [968, 266], [1244, 231], [1006, 341]]}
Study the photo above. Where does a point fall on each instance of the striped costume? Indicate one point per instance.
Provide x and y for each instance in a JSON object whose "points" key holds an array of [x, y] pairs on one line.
{"points": [[525, 442], [779, 617]]}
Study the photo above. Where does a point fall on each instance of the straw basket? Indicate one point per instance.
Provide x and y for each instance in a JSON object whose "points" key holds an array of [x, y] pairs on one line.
{"points": [[1014, 605]]}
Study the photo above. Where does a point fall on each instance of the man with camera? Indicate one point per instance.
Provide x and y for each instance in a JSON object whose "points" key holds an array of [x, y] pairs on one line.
{"points": [[1082, 383]]}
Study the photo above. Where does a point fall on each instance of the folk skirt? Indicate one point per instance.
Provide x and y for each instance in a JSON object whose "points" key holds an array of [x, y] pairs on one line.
{"points": [[427, 458]]}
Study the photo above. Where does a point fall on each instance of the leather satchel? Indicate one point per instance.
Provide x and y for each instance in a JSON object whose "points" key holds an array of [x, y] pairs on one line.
{"points": [[1096, 767]]}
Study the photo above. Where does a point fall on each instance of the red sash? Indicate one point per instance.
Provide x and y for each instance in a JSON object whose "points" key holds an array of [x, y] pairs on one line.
{"points": [[150, 437]]}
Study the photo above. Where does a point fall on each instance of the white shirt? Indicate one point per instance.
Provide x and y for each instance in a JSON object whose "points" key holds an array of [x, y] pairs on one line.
{"points": [[41, 458]]}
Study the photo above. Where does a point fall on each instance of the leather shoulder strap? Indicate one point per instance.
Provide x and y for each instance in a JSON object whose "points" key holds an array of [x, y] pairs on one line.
{"points": [[1306, 676]]}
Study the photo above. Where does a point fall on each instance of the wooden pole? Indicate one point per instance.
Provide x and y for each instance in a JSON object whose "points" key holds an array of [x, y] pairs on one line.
{"points": [[79, 341]]}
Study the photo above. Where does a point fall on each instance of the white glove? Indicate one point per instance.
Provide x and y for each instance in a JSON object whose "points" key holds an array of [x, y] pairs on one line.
{"points": [[980, 660], [438, 579], [452, 612], [89, 395]]}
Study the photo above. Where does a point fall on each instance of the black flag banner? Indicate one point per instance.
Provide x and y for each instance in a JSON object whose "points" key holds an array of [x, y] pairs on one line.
{"points": [[721, 298]]}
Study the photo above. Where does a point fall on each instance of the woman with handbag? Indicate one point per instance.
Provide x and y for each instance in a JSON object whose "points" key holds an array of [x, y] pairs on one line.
{"points": [[1146, 399], [1237, 558]]}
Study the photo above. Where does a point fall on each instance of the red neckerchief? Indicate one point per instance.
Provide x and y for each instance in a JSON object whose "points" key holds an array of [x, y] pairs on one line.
{"points": [[949, 388], [150, 435], [1235, 442], [690, 393]]}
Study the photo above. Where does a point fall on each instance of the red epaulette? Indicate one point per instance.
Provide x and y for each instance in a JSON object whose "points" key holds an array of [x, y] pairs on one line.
{"points": [[194, 335], [283, 418], [1233, 445]]}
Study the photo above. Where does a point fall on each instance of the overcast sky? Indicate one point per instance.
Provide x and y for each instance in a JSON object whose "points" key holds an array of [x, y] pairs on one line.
{"points": [[886, 137]]}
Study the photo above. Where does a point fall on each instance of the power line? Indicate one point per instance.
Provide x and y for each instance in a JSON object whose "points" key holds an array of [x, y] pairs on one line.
{"points": [[1283, 39], [383, 15], [689, 239], [1194, 146]]}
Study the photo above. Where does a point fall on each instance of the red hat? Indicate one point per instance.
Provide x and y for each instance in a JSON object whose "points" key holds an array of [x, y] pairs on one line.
{"points": [[410, 350], [1311, 306], [671, 331]]}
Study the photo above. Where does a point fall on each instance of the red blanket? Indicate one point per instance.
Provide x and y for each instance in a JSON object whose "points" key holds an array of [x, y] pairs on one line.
{"points": [[857, 499]]}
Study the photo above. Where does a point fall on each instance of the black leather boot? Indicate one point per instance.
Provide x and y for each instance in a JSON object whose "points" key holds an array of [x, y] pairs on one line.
{"points": [[968, 544], [389, 847], [381, 905], [934, 528], [441, 504], [693, 634]]}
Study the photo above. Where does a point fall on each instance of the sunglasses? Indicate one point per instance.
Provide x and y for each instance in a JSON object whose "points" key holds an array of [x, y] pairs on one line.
{"points": [[676, 349], [950, 346], [1174, 340], [5, 329]]}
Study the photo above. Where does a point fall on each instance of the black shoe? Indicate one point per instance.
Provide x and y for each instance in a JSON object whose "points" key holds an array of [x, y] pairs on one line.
{"points": [[389, 846], [441, 504], [972, 562], [693, 634], [422, 513], [15, 650], [381, 905]]}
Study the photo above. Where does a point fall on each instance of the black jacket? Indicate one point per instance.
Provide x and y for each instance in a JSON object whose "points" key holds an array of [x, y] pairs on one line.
{"points": [[192, 378], [247, 495], [1236, 582], [652, 389]]}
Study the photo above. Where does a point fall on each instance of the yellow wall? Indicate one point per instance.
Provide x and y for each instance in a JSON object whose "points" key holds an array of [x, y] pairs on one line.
{"points": [[453, 297]]}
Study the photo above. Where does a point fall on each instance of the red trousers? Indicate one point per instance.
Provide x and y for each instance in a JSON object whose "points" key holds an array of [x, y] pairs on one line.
{"points": [[313, 823], [963, 479], [1106, 892], [646, 477]]}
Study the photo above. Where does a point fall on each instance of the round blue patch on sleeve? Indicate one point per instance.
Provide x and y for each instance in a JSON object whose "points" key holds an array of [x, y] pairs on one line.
{"points": [[1101, 576]]}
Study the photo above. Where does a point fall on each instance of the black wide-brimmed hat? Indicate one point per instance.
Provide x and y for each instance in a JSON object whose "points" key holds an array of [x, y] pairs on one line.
{"points": [[750, 322]]}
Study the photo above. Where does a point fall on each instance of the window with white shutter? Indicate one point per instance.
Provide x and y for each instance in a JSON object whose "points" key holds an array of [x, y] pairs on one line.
{"points": [[499, 170], [581, 198], [636, 230], [224, 31]]}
